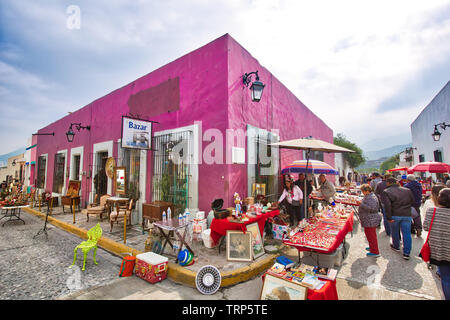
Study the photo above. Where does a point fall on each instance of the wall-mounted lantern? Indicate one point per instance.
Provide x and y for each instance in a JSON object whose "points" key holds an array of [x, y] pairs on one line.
{"points": [[436, 134], [257, 86], [70, 134]]}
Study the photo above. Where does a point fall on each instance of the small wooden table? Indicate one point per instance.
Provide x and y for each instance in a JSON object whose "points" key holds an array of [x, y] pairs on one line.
{"points": [[115, 202], [172, 226], [12, 212]]}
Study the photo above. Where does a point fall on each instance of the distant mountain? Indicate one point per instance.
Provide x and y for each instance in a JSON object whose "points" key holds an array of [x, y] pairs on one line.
{"points": [[372, 164], [387, 152], [4, 157], [382, 143]]}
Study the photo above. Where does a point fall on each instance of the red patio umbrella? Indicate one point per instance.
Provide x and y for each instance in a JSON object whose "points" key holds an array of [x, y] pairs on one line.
{"points": [[431, 167], [398, 169]]}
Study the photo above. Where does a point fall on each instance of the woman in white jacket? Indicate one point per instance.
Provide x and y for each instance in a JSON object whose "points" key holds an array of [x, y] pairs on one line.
{"points": [[294, 199]]}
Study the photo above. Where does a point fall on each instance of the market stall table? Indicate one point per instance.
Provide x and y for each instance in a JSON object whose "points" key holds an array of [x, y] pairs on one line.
{"points": [[173, 226], [331, 242], [219, 227], [327, 292], [354, 205], [12, 212]]}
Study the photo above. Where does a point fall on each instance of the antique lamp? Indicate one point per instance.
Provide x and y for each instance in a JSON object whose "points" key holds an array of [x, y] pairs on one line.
{"points": [[436, 134], [70, 134], [257, 86]]}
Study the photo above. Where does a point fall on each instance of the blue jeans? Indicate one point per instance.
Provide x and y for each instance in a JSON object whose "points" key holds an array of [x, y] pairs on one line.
{"points": [[445, 280], [402, 224], [387, 225]]}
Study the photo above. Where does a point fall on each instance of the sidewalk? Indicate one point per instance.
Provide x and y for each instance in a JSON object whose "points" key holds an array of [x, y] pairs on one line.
{"points": [[388, 277]]}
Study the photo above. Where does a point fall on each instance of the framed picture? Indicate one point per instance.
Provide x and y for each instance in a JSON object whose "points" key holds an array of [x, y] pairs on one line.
{"points": [[239, 246], [257, 241], [258, 189], [279, 289]]}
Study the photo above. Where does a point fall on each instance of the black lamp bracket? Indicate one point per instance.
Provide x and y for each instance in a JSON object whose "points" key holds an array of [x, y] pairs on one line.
{"points": [[78, 126], [442, 125], [247, 77]]}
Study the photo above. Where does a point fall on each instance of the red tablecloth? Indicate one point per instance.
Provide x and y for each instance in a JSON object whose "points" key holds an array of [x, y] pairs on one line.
{"points": [[327, 292], [348, 227], [219, 227]]}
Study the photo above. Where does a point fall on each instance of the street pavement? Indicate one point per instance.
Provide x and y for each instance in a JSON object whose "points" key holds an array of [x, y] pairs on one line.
{"points": [[388, 277], [38, 269]]}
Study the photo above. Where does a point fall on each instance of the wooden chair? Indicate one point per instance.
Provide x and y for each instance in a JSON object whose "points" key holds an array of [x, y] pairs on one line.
{"points": [[119, 216], [72, 195], [99, 207]]}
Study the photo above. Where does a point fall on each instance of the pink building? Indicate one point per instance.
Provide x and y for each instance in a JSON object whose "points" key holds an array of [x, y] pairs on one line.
{"points": [[200, 103]]}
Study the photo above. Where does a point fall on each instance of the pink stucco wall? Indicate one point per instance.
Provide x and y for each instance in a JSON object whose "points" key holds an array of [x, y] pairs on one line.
{"points": [[278, 109], [211, 91], [203, 96]]}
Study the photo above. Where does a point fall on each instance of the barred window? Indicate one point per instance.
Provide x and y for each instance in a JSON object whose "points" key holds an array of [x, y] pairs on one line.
{"points": [[58, 173], [42, 162]]}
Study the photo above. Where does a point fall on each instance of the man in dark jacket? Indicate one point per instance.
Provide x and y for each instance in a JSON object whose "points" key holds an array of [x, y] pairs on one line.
{"points": [[398, 204], [379, 192], [416, 189], [309, 188]]}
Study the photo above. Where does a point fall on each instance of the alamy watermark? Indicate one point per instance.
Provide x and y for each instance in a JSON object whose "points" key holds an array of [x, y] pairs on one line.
{"points": [[74, 280], [73, 21], [216, 146]]}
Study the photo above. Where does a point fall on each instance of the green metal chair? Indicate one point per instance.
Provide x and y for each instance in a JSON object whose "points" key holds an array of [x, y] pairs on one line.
{"points": [[94, 234]]}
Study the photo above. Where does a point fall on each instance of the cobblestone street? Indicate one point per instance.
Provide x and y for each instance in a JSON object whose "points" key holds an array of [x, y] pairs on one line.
{"points": [[38, 269]]}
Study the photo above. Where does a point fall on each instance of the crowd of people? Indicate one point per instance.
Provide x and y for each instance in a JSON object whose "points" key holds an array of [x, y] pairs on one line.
{"points": [[396, 202], [399, 206]]}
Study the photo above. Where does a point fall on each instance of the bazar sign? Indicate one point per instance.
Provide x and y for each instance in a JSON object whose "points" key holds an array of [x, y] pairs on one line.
{"points": [[136, 134]]}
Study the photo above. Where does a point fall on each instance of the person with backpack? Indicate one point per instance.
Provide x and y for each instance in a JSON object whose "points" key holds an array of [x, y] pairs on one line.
{"points": [[416, 189], [370, 218]]}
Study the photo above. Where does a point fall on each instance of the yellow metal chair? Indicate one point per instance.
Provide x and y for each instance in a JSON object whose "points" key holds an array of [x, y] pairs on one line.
{"points": [[94, 234]]}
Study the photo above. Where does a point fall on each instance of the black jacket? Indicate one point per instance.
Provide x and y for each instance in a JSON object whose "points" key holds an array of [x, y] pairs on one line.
{"points": [[301, 185], [398, 201]]}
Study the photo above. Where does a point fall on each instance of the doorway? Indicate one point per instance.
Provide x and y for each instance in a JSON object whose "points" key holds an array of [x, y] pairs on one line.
{"points": [[100, 178]]}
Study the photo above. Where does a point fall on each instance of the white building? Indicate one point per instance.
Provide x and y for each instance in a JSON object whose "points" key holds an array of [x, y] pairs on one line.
{"points": [[437, 111], [342, 166]]}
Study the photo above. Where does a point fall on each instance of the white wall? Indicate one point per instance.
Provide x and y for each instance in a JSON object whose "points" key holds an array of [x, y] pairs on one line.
{"points": [[437, 111]]}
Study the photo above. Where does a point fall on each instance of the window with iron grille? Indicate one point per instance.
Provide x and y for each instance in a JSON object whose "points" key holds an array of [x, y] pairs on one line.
{"points": [[40, 182], [58, 172], [131, 160], [263, 163], [76, 167], [171, 174], [421, 158]]}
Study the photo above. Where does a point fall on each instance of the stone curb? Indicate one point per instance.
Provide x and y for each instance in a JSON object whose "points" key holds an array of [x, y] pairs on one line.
{"points": [[176, 272]]}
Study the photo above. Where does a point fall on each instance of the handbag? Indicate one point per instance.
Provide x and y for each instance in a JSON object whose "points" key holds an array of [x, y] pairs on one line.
{"points": [[425, 252]]}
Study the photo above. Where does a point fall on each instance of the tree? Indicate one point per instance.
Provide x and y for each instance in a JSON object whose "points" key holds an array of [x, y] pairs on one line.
{"points": [[354, 159], [390, 163]]}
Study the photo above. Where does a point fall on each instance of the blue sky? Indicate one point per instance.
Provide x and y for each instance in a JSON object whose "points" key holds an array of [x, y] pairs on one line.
{"points": [[367, 69]]}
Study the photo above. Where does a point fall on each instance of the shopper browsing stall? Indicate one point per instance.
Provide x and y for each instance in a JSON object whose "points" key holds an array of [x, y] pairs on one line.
{"points": [[294, 198], [370, 217], [326, 188], [416, 189], [439, 237], [398, 204]]}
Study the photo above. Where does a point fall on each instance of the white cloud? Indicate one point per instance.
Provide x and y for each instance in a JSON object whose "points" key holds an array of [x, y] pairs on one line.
{"points": [[343, 59]]}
